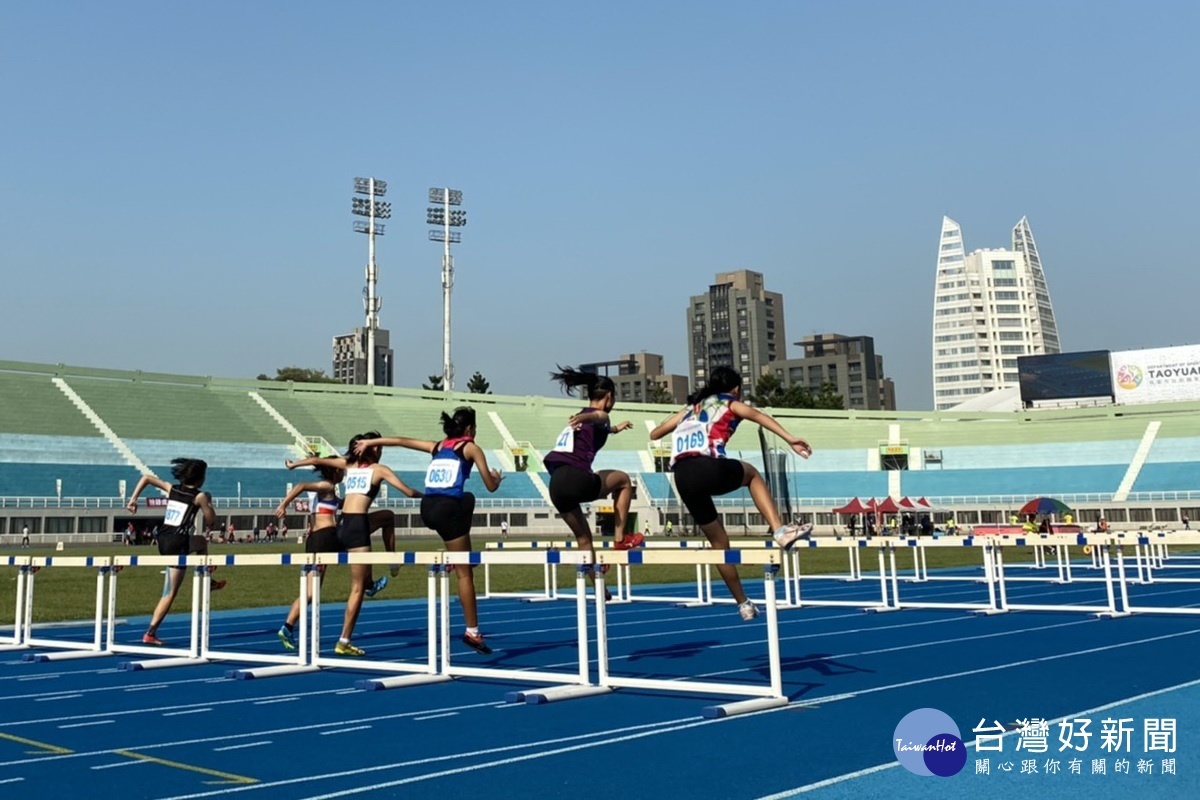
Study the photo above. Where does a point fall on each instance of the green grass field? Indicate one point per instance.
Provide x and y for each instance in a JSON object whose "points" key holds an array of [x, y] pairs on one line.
{"points": [[68, 593]]}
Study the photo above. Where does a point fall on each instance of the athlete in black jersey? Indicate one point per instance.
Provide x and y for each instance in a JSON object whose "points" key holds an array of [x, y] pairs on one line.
{"points": [[177, 535]]}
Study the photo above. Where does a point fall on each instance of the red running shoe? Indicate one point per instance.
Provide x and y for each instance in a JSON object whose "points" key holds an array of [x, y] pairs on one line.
{"points": [[630, 542], [150, 638]]}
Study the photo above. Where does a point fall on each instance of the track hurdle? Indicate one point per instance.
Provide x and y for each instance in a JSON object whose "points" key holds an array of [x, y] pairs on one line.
{"points": [[1146, 542], [16, 640], [283, 664], [175, 656], [567, 684], [67, 649], [769, 696], [855, 546], [408, 673], [892, 582], [549, 571]]}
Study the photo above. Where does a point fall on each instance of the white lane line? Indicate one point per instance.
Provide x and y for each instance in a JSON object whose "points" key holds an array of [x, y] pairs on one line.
{"points": [[57, 697], [277, 700], [242, 746], [346, 730], [436, 716], [189, 711], [88, 724]]}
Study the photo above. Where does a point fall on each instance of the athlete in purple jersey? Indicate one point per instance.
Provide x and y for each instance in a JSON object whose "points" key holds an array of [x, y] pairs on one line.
{"points": [[702, 471], [572, 481]]}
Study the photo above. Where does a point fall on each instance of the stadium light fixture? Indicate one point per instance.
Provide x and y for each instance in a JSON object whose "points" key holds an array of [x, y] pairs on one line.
{"points": [[444, 218], [373, 210]]}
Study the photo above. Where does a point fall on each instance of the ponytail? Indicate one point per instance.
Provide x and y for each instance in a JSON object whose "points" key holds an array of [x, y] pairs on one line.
{"points": [[720, 381], [597, 385], [456, 424]]}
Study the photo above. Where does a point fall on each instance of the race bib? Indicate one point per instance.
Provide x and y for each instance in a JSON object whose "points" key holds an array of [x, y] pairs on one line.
{"points": [[175, 513], [358, 480], [690, 437], [442, 473], [566, 441]]}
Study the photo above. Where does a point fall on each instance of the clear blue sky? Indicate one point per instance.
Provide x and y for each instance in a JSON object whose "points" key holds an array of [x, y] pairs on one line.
{"points": [[176, 177]]}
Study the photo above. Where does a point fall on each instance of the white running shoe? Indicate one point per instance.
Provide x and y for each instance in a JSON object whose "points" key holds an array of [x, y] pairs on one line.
{"points": [[748, 610], [787, 535]]}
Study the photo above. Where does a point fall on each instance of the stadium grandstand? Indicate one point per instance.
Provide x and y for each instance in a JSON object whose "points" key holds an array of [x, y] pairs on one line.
{"points": [[74, 440]]}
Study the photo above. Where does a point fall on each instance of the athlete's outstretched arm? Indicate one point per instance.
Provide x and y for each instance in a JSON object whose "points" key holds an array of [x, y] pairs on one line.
{"points": [[491, 477], [143, 482], [394, 441], [668, 425]]}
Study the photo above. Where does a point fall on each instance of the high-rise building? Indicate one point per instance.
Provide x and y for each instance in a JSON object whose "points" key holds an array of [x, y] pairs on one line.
{"points": [[638, 377], [736, 324], [848, 362], [989, 307], [350, 357]]}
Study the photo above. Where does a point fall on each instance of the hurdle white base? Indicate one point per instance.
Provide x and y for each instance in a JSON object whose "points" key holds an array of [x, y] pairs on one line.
{"points": [[400, 681], [66, 655], [692, 604], [871, 609], [545, 599], [162, 663], [553, 694], [277, 671], [1112, 614], [989, 612], [744, 707], [7, 648]]}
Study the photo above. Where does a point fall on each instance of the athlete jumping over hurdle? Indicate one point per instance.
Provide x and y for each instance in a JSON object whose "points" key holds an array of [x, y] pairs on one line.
{"points": [[364, 474], [447, 507], [702, 470], [572, 481]]}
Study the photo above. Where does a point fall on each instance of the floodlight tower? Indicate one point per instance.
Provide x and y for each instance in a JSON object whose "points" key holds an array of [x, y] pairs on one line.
{"points": [[372, 209], [442, 216]]}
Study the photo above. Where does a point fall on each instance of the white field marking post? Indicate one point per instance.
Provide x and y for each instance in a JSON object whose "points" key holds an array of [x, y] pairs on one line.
{"points": [[178, 656], [431, 674], [417, 673], [283, 664], [68, 650], [770, 696], [578, 677], [15, 642]]}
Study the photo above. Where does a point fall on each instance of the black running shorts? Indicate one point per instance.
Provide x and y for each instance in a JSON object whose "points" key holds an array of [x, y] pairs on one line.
{"points": [[354, 531], [701, 478], [572, 486], [449, 516]]}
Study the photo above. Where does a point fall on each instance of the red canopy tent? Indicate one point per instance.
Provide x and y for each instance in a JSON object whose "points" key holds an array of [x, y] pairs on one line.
{"points": [[885, 506], [855, 506]]}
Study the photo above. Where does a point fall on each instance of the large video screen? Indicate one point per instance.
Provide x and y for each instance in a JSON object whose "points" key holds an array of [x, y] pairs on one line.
{"points": [[1065, 376]]}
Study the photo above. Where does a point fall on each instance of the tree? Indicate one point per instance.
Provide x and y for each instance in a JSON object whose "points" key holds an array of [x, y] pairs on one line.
{"points": [[478, 384], [770, 393], [659, 394], [299, 375], [435, 383]]}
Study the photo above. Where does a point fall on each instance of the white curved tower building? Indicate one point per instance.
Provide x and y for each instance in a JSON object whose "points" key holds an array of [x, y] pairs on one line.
{"points": [[989, 306]]}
